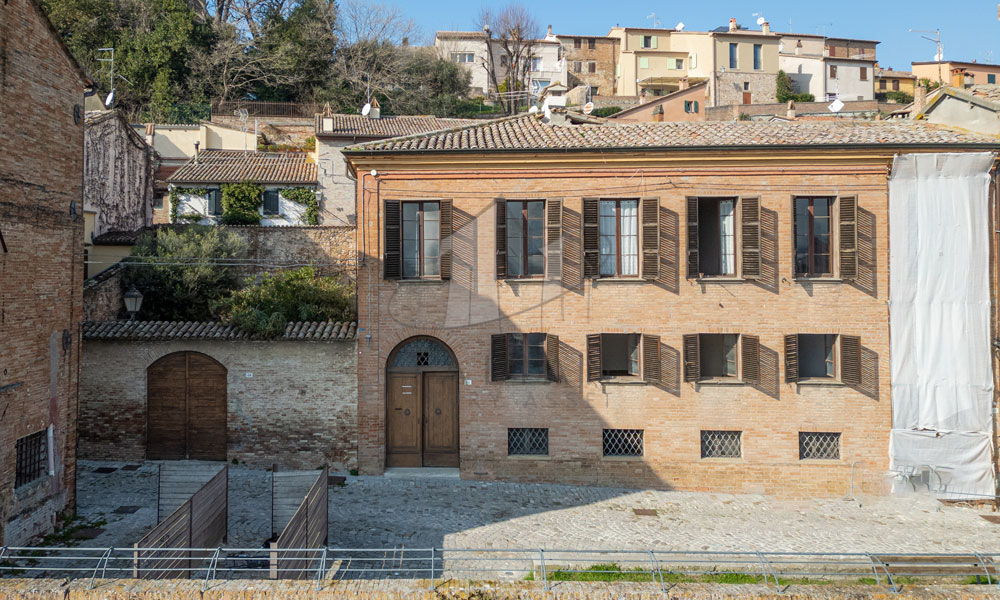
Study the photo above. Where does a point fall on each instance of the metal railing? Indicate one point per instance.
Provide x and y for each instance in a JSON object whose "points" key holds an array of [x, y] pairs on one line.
{"points": [[254, 108], [545, 566]]}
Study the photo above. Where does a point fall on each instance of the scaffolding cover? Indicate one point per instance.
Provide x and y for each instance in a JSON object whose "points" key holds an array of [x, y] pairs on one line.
{"points": [[939, 317]]}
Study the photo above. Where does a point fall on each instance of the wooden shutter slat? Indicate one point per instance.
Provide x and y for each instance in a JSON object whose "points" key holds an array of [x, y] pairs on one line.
{"points": [[751, 358], [650, 238], [498, 357], [553, 231], [848, 237], [552, 357], [692, 357], [591, 238], [693, 263], [651, 358], [594, 357], [446, 227], [501, 238], [850, 359], [391, 260], [750, 237], [791, 358]]}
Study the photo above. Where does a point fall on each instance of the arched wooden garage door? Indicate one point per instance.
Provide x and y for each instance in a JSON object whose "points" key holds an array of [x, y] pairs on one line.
{"points": [[186, 408]]}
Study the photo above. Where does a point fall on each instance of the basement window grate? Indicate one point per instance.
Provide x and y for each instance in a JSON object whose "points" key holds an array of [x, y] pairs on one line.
{"points": [[721, 444], [623, 442], [527, 441], [32, 457], [819, 445]]}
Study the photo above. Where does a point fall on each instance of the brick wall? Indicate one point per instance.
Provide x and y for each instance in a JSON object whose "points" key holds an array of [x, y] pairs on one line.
{"points": [[464, 312], [41, 270], [604, 55], [102, 295], [289, 403]]}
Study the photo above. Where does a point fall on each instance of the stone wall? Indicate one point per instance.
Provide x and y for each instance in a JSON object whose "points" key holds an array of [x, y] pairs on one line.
{"points": [[290, 403], [337, 188], [731, 85], [41, 264], [333, 246], [102, 295]]}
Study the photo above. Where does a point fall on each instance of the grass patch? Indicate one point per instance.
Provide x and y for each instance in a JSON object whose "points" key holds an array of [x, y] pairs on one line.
{"points": [[65, 535]]}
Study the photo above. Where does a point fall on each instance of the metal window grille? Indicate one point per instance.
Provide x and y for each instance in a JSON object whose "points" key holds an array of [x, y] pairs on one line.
{"points": [[532, 441], [721, 444], [32, 457], [623, 442], [819, 445], [422, 359]]}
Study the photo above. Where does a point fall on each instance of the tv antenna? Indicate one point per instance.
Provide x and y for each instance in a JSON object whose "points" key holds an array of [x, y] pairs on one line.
{"points": [[243, 115], [760, 18], [940, 50], [656, 22]]}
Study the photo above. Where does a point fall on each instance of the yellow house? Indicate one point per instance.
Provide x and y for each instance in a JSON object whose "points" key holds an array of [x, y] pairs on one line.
{"points": [[958, 74], [888, 80]]}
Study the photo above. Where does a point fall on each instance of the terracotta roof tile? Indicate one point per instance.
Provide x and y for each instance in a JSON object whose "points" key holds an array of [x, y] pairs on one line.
{"points": [[156, 331], [528, 132], [385, 126], [233, 166]]}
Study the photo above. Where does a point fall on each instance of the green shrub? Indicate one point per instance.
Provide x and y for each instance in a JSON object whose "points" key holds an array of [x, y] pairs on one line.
{"points": [[265, 307], [240, 203], [898, 96], [306, 197], [606, 111], [179, 272]]}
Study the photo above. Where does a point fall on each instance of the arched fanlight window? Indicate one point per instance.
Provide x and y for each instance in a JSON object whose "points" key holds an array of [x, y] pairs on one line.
{"points": [[423, 352]]}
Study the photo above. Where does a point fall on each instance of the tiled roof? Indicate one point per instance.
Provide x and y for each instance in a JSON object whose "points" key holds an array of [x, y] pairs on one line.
{"points": [[128, 238], [990, 92], [529, 133], [386, 126], [896, 74], [155, 331], [461, 35], [234, 166]]}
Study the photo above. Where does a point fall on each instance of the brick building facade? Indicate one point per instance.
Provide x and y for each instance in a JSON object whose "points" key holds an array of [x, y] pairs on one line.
{"points": [[41, 270], [591, 60], [680, 370]]}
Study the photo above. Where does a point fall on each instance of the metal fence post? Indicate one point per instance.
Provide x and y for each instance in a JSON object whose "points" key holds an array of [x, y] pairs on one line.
{"points": [[656, 570], [322, 567], [545, 577], [432, 569]]}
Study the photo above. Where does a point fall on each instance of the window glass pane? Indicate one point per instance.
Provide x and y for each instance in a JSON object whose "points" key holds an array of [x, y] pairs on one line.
{"points": [[536, 265], [633, 365], [822, 263], [609, 237], [431, 264], [630, 237], [727, 239], [829, 339], [515, 261], [410, 210], [431, 211], [816, 355], [821, 207], [515, 239], [515, 354], [536, 353], [729, 345], [411, 241]]}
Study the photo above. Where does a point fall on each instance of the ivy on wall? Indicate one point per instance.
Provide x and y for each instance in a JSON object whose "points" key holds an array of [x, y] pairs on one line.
{"points": [[306, 197], [240, 203], [175, 193]]}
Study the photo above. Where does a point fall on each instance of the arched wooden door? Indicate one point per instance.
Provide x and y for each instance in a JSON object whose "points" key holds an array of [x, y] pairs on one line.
{"points": [[186, 408], [422, 405]]}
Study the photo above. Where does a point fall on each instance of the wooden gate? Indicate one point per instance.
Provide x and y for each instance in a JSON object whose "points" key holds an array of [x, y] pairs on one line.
{"points": [[308, 528], [186, 408]]}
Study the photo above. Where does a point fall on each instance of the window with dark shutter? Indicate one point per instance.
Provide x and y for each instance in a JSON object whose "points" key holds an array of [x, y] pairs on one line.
{"points": [[716, 236], [791, 358], [650, 238], [750, 237], [552, 357], [591, 237], [498, 357], [812, 230], [850, 359], [391, 261], [271, 206], [848, 237], [501, 238], [651, 358], [553, 245], [32, 457], [446, 221], [594, 357], [692, 358], [751, 358], [214, 202], [619, 237], [816, 356], [693, 265]]}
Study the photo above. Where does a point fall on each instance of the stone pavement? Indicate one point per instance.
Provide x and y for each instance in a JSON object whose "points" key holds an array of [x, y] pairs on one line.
{"points": [[376, 512]]}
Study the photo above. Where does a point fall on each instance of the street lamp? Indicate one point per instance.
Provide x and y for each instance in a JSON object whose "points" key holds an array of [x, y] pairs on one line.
{"points": [[133, 301]]}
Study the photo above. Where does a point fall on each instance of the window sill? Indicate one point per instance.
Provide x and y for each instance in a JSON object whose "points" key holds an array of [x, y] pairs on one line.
{"points": [[623, 458], [526, 380], [821, 382], [529, 456], [619, 280], [516, 281], [420, 281], [721, 381], [721, 279], [822, 461], [621, 381], [723, 459], [818, 279]]}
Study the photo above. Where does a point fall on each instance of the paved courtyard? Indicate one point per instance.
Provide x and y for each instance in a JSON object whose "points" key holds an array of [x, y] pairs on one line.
{"points": [[377, 512]]}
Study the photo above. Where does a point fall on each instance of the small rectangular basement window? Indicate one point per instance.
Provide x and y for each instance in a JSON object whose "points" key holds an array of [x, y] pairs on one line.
{"points": [[721, 444], [32, 457], [623, 442], [528, 441], [819, 445]]}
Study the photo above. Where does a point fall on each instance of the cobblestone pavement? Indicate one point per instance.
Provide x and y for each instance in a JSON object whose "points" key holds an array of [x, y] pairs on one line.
{"points": [[375, 512]]}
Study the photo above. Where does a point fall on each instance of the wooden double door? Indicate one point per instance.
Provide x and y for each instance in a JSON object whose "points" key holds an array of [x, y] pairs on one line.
{"points": [[422, 419], [186, 408]]}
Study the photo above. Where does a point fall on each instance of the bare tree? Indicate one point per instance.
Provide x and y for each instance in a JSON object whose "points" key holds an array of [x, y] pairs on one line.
{"points": [[370, 59], [513, 33], [230, 69], [365, 21]]}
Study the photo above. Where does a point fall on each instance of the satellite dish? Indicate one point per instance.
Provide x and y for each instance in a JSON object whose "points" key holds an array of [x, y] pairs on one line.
{"points": [[548, 113], [679, 26], [938, 56], [109, 99], [761, 20], [588, 108], [367, 108], [532, 110], [836, 106]]}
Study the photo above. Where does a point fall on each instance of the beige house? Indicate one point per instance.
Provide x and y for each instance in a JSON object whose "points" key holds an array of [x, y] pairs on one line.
{"points": [[957, 73], [829, 68], [740, 65], [686, 104]]}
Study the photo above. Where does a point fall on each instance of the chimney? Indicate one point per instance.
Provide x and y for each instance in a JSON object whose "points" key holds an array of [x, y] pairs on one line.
{"points": [[765, 28], [406, 42], [375, 111], [684, 84], [150, 133], [791, 109], [549, 34], [919, 99], [658, 114], [196, 144], [732, 24], [798, 47]]}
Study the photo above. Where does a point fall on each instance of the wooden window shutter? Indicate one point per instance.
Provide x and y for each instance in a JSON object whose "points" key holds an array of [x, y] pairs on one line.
{"points": [[848, 237], [591, 238], [553, 230], [501, 235], [498, 357], [692, 357], [650, 238], [552, 357], [751, 358], [791, 358], [651, 358], [446, 227], [750, 237], [594, 357], [692, 225], [850, 359], [392, 264], [795, 234]]}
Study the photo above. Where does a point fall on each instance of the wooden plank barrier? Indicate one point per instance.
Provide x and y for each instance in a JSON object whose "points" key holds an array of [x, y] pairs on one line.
{"points": [[307, 528]]}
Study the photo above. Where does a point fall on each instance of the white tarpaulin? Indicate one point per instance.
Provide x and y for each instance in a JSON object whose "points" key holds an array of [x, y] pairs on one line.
{"points": [[939, 315]]}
